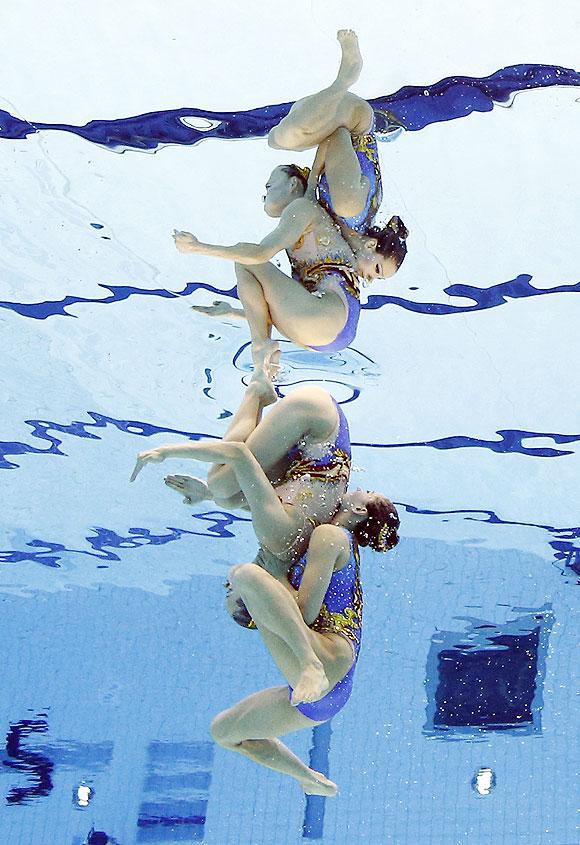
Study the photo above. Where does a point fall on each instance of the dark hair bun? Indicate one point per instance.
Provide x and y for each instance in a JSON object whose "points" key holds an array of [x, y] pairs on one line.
{"points": [[391, 239], [379, 529], [398, 227]]}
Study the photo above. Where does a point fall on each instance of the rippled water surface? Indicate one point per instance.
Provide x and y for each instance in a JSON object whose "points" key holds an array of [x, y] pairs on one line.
{"points": [[461, 392]]}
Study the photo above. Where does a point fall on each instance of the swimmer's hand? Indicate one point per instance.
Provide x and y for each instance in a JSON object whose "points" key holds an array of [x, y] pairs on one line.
{"points": [[150, 456], [186, 242]]}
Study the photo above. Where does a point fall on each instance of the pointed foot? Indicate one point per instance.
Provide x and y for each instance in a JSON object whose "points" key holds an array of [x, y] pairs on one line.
{"points": [[318, 784]]}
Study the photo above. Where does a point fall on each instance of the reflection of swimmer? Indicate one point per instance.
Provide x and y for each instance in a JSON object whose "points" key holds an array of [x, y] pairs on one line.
{"points": [[322, 310], [307, 609], [99, 837], [301, 447]]}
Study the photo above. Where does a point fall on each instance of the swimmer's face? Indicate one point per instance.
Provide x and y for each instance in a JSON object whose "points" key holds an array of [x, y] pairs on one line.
{"points": [[373, 265], [278, 192]]}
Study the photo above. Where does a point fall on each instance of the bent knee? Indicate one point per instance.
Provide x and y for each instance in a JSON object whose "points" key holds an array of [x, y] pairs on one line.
{"points": [[311, 402], [349, 202], [273, 141], [365, 116], [285, 137], [245, 575], [307, 396], [222, 483]]}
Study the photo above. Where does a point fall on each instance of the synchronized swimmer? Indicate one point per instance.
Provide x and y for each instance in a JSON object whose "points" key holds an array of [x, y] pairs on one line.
{"points": [[302, 592], [329, 237]]}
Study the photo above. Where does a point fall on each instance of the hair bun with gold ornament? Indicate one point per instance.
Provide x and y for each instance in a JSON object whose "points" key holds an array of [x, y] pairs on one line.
{"points": [[304, 171]]}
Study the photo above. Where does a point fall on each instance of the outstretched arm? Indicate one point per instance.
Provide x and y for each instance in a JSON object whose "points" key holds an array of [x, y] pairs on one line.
{"points": [[294, 220], [219, 452], [275, 527]]}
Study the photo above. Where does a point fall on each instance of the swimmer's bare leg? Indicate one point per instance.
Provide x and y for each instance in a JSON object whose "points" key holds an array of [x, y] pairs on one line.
{"points": [[313, 119], [348, 187], [275, 611], [351, 60], [252, 728], [257, 396], [244, 422], [259, 319], [273, 298]]}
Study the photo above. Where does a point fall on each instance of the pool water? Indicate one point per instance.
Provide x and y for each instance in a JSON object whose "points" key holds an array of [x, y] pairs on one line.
{"points": [[461, 392]]}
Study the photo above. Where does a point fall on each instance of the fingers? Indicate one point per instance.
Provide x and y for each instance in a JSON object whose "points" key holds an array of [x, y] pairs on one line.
{"points": [[184, 241], [176, 482], [150, 456], [173, 486], [138, 467]]}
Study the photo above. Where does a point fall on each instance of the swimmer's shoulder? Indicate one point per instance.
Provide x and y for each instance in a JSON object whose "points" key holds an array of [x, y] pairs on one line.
{"points": [[303, 208], [334, 538]]}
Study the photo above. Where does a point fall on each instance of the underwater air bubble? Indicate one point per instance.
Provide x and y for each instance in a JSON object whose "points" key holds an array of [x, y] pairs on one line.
{"points": [[483, 781], [82, 795]]}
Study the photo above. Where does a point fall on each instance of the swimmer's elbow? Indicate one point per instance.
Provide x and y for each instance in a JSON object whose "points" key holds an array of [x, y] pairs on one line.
{"points": [[250, 254]]}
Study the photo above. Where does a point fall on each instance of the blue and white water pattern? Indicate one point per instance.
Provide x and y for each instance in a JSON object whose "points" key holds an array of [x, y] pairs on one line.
{"points": [[461, 392]]}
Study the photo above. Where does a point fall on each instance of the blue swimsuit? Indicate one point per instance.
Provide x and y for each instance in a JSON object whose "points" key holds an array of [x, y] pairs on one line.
{"points": [[341, 613], [333, 466], [312, 276], [365, 147]]}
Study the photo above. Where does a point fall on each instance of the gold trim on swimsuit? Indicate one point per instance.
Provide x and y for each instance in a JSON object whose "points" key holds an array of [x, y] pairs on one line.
{"points": [[310, 277], [337, 468], [348, 622]]}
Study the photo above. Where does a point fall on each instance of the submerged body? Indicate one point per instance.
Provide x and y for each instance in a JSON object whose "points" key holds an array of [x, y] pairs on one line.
{"points": [[291, 468], [341, 614], [307, 609], [322, 262], [326, 236], [333, 625], [294, 468]]}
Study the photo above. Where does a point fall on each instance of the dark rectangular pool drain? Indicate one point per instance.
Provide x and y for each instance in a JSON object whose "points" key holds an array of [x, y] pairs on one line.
{"points": [[487, 678], [176, 792]]}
